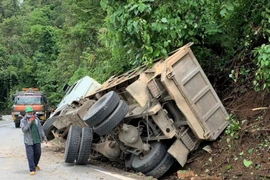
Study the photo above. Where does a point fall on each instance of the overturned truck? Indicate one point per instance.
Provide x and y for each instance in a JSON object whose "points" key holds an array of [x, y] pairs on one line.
{"points": [[147, 117]]}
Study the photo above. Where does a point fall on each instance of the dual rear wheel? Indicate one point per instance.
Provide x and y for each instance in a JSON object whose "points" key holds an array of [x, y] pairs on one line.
{"points": [[102, 118], [106, 113], [78, 145]]}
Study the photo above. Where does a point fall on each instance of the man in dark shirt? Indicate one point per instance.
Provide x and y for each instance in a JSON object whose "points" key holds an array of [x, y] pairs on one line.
{"points": [[33, 137]]}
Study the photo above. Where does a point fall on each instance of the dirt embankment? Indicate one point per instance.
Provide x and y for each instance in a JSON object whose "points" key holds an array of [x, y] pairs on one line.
{"points": [[243, 151]]}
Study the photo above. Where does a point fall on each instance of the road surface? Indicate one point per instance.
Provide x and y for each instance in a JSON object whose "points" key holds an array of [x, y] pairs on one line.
{"points": [[13, 162]]}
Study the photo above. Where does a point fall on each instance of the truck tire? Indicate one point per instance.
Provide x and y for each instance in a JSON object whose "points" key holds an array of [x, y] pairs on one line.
{"points": [[85, 146], [17, 125], [48, 127], [113, 120], [101, 109], [72, 144], [162, 167], [148, 162]]}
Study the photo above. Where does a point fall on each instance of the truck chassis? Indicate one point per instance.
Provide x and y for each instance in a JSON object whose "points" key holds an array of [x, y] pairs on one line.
{"points": [[147, 117]]}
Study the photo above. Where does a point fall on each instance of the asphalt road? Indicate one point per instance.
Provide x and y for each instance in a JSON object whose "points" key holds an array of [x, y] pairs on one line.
{"points": [[13, 162]]}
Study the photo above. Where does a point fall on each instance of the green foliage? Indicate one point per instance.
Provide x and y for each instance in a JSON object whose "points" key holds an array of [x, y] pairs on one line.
{"points": [[144, 30], [233, 128], [262, 52], [49, 43], [265, 145], [248, 27], [262, 75], [228, 167], [247, 163], [241, 74], [81, 52], [250, 150], [92, 66]]}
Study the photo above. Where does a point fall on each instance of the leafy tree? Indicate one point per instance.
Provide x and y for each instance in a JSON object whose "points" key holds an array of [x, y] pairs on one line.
{"points": [[80, 48], [248, 32], [46, 43], [140, 31]]}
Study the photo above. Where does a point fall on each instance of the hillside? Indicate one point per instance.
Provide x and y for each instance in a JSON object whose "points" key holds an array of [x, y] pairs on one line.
{"points": [[237, 154]]}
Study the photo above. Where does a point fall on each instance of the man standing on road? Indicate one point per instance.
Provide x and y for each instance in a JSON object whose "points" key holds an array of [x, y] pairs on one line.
{"points": [[33, 137]]}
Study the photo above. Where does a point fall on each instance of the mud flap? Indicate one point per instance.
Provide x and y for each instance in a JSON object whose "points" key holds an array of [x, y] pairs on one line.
{"points": [[179, 151]]}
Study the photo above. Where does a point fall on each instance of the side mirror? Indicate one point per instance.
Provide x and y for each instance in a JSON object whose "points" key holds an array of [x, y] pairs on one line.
{"points": [[65, 88]]}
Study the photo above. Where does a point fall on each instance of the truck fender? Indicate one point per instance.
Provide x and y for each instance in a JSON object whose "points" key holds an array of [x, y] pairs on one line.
{"points": [[179, 151]]}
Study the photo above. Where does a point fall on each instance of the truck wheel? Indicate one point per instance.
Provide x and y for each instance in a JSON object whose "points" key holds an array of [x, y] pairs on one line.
{"points": [[17, 125], [145, 163], [85, 146], [72, 144], [113, 120], [162, 167], [101, 109], [48, 127]]}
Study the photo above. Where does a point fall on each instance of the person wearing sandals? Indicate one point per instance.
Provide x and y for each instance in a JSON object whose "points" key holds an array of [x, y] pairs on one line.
{"points": [[33, 137]]}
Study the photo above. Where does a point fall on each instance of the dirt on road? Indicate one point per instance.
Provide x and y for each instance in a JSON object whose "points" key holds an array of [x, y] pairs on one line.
{"points": [[13, 162]]}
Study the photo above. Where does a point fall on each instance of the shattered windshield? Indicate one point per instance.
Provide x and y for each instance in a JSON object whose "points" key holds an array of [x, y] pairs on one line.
{"points": [[28, 100]]}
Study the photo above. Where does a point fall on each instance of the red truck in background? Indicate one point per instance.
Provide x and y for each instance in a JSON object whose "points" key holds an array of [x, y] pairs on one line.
{"points": [[29, 97]]}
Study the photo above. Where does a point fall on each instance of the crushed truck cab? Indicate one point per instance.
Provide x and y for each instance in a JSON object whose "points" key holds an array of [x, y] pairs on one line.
{"points": [[148, 117]]}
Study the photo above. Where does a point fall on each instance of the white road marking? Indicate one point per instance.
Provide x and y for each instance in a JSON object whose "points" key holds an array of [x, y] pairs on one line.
{"points": [[115, 175]]}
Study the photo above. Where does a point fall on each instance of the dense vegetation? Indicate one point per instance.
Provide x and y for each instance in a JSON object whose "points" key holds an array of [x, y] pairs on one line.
{"points": [[46, 43]]}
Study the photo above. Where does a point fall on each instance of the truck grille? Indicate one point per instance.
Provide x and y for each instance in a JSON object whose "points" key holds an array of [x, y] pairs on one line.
{"points": [[155, 88], [189, 139]]}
